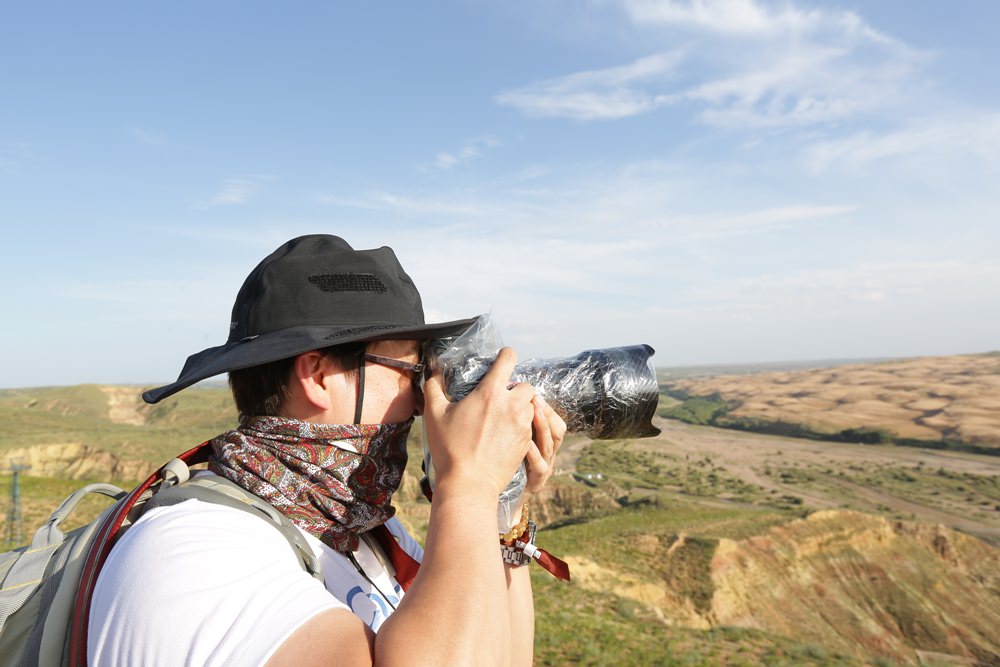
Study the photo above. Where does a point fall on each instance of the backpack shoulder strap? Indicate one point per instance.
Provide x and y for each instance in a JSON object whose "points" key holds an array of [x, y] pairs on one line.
{"points": [[172, 486], [108, 531], [221, 491]]}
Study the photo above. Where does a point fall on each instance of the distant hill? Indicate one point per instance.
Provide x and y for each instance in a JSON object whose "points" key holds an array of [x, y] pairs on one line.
{"points": [[670, 373], [948, 402], [108, 430]]}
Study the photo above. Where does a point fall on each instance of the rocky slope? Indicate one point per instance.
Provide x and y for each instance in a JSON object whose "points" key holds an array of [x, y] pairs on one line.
{"points": [[74, 460], [563, 499], [850, 582]]}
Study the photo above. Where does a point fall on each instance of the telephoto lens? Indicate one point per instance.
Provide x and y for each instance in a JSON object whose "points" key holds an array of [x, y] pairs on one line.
{"points": [[606, 394]]}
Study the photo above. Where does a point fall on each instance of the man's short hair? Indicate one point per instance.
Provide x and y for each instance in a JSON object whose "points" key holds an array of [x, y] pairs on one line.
{"points": [[262, 390]]}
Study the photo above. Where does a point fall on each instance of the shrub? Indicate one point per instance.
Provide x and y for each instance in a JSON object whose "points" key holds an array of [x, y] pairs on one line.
{"points": [[702, 410]]}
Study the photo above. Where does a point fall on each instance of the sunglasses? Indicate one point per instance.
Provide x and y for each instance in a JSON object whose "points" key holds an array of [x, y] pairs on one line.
{"points": [[416, 370]]}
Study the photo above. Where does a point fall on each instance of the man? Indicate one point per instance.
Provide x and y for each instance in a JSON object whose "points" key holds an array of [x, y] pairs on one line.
{"points": [[323, 354]]}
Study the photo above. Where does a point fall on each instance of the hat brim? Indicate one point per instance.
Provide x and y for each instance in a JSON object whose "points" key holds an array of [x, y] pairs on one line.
{"points": [[276, 345]]}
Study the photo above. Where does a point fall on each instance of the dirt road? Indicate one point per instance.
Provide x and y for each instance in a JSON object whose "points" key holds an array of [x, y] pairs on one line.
{"points": [[839, 475]]}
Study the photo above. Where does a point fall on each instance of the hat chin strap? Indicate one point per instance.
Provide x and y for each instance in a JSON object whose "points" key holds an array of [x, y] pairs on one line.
{"points": [[361, 387]]}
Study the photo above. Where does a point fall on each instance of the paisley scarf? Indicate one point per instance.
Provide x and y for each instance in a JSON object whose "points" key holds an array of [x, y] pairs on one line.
{"points": [[334, 481]]}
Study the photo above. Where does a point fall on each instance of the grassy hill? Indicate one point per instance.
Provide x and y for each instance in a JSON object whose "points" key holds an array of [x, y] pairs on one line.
{"points": [[112, 420], [698, 547]]}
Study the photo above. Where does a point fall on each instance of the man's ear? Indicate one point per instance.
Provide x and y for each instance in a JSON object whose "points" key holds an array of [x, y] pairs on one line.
{"points": [[310, 377]]}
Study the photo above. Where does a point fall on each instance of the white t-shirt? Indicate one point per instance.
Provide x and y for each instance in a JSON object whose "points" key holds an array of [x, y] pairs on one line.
{"points": [[204, 584]]}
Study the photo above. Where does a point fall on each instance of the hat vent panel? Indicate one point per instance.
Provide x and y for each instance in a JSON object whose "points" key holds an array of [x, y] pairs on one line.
{"points": [[348, 282], [359, 331]]}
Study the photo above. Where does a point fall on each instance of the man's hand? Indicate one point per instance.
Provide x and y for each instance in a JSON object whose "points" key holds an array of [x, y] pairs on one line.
{"points": [[549, 430], [482, 439]]}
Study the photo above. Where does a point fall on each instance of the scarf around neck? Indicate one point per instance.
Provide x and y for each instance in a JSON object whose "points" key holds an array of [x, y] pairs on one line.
{"points": [[334, 481]]}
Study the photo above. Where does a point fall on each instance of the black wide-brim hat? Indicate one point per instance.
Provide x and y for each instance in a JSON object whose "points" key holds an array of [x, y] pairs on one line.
{"points": [[314, 292]]}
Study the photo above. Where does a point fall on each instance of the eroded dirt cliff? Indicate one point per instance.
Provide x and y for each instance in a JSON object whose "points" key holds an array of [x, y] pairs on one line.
{"points": [[75, 460], [850, 582], [864, 584]]}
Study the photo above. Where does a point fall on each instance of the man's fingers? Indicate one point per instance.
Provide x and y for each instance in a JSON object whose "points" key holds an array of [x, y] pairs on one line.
{"points": [[503, 367], [536, 461], [434, 396], [542, 430]]}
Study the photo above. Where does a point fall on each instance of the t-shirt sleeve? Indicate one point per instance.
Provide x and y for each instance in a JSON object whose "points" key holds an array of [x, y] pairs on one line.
{"points": [[200, 584]]}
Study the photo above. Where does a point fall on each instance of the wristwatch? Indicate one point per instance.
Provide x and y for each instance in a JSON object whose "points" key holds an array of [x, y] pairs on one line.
{"points": [[520, 550]]}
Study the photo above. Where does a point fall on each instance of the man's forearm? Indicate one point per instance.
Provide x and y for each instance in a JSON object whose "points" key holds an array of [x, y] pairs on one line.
{"points": [[457, 611], [522, 615]]}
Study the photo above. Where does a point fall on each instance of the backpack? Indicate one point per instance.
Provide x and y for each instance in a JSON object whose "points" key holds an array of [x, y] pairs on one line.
{"points": [[46, 587]]}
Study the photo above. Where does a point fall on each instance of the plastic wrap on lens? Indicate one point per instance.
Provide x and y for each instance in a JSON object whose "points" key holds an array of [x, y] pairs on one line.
{"points": [[605, 394]]}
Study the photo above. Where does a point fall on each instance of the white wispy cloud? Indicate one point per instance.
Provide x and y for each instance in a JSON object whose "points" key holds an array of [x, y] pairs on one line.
{"points": [[197, 304], [733, 16], [611, 234], [520, 272], [429, 205], [782, 217], [748, 18], [810, 84], [412, 204], [470, 150], [938, 140], [531, 173], [744, 64], [264, 237], [859, 282], [234, 192], [613, 92]]}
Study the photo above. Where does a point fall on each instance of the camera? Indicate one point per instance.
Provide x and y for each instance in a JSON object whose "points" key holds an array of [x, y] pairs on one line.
{"points": [[605, 394]]}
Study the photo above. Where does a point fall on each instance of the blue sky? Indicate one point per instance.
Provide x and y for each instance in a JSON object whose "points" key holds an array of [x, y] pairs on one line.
{"points": [[726, 180]]}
